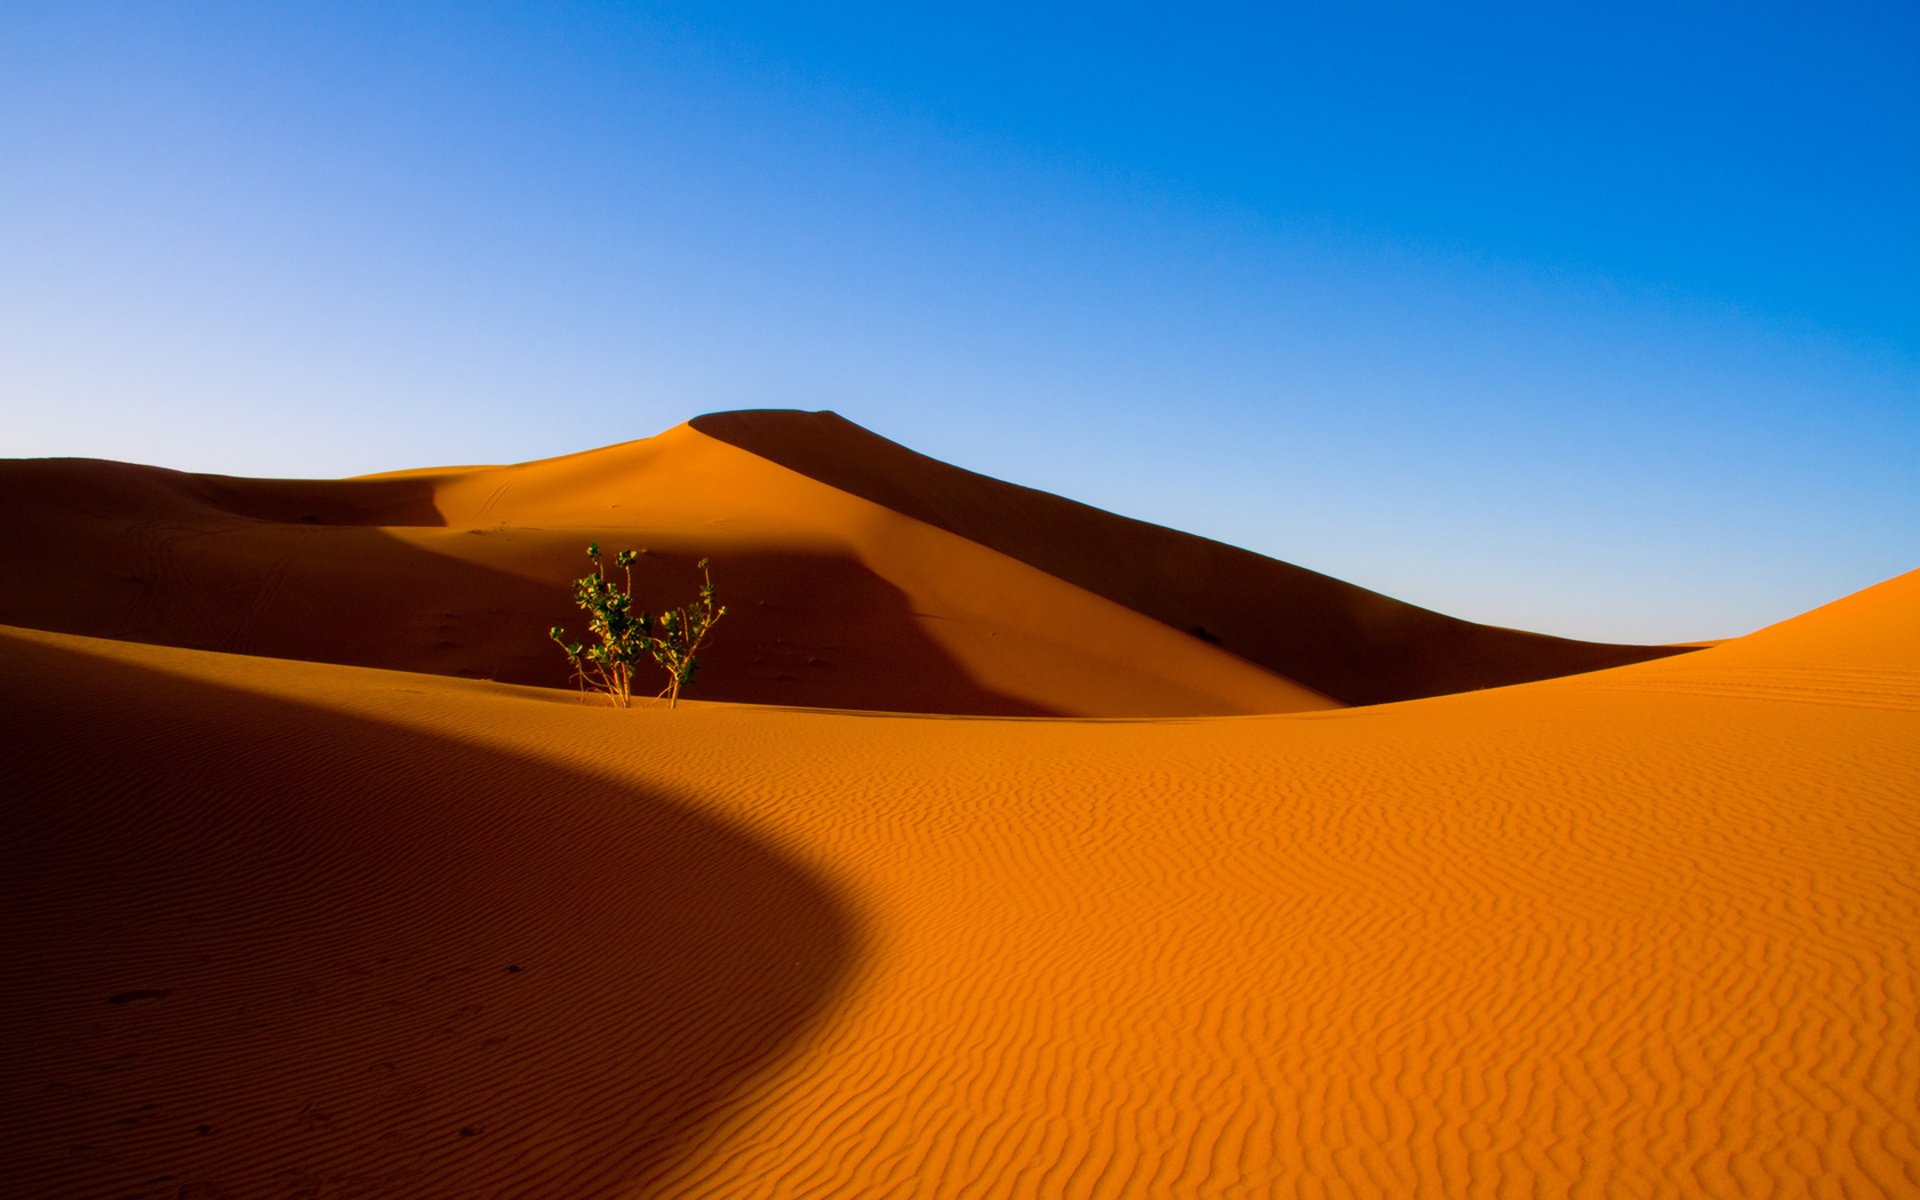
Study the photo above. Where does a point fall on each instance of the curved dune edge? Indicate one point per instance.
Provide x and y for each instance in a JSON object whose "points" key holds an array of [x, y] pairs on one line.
{"points": [[1646, 931]]}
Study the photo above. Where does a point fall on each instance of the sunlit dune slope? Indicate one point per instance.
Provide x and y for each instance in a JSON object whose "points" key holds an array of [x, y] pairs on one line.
{"points": [[1873, 628], [1347, 642], [863, 577], [1648, 931]]}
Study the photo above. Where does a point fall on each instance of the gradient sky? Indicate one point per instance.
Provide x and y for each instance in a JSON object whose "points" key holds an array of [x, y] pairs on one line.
{"points": [[1601, 322]]}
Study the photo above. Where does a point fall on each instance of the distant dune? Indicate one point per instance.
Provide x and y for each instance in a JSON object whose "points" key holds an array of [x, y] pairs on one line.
{"points": [[858, 574], [273, 927], [1345, 642]]}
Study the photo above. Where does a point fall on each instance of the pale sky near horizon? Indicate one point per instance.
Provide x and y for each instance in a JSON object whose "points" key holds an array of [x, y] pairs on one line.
{"points": [[1603, 323]]}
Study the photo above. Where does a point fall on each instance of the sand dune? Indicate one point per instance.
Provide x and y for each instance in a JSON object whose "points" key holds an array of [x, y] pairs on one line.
{"points": [[283, 928], [1344, 641], [981, 599]]}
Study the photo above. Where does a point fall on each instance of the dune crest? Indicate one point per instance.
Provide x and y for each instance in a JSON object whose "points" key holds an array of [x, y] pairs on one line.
{"points": [[834, 601], [858, 575], [1344, 641]]}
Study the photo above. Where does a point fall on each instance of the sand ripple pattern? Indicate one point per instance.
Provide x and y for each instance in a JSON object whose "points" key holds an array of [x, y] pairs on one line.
{"points": [[1559, 944], [1857, 687]]}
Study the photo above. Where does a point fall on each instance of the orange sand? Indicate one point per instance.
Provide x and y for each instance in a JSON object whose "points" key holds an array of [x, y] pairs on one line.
{"points": [[279, 928]]}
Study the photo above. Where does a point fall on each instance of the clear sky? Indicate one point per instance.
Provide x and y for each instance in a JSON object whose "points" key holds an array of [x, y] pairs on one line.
{"points": [[1599, 320]]}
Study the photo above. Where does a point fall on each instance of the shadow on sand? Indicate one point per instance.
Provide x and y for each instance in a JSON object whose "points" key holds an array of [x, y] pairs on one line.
{"points": [[254, 948]]}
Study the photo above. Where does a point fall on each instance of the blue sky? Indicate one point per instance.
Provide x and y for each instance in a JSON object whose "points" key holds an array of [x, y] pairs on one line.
{"points": [[1600, 322]]}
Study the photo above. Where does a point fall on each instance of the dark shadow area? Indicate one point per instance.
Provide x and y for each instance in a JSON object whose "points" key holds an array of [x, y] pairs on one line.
{"points": [[1344, 641], [256, 948], [141, 554]]}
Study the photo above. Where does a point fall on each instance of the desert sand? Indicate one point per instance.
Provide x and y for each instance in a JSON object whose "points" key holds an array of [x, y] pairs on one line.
{"points": [[318, 881]]}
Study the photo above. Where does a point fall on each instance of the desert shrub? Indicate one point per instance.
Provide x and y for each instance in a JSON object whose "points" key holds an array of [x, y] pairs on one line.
{"points": [[624, 636], [676, 640]]}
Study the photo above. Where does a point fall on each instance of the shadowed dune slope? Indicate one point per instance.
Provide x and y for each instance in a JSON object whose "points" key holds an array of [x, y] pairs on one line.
{"points": [[255, 941], [1349, 643], [1646, 931], [833, 600]]}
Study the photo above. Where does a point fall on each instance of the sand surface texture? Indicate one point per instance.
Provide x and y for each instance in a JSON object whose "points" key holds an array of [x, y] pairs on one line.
{"points": [[283, 928]]}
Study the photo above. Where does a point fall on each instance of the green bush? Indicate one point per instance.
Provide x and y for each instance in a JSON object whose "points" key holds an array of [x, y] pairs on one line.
{"points": [[673, 641]]}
